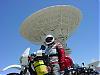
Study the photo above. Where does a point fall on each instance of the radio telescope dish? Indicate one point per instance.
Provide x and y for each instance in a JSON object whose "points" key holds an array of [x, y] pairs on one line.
{"points": [[59, 20]]}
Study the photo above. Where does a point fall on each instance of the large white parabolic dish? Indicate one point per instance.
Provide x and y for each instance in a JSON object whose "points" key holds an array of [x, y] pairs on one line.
{"points": [[59, 20]]}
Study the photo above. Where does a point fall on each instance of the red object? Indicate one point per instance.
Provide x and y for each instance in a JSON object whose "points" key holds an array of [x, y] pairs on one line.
{"points": [[68, 62], [64, 60], [61, 56], [30, 58]]}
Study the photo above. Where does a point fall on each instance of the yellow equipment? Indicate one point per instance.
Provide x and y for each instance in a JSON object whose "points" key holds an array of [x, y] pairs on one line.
{"points": [[39, 66]]}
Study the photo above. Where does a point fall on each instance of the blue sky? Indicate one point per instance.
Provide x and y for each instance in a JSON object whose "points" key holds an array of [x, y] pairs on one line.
{"points": [[84, 42]]}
